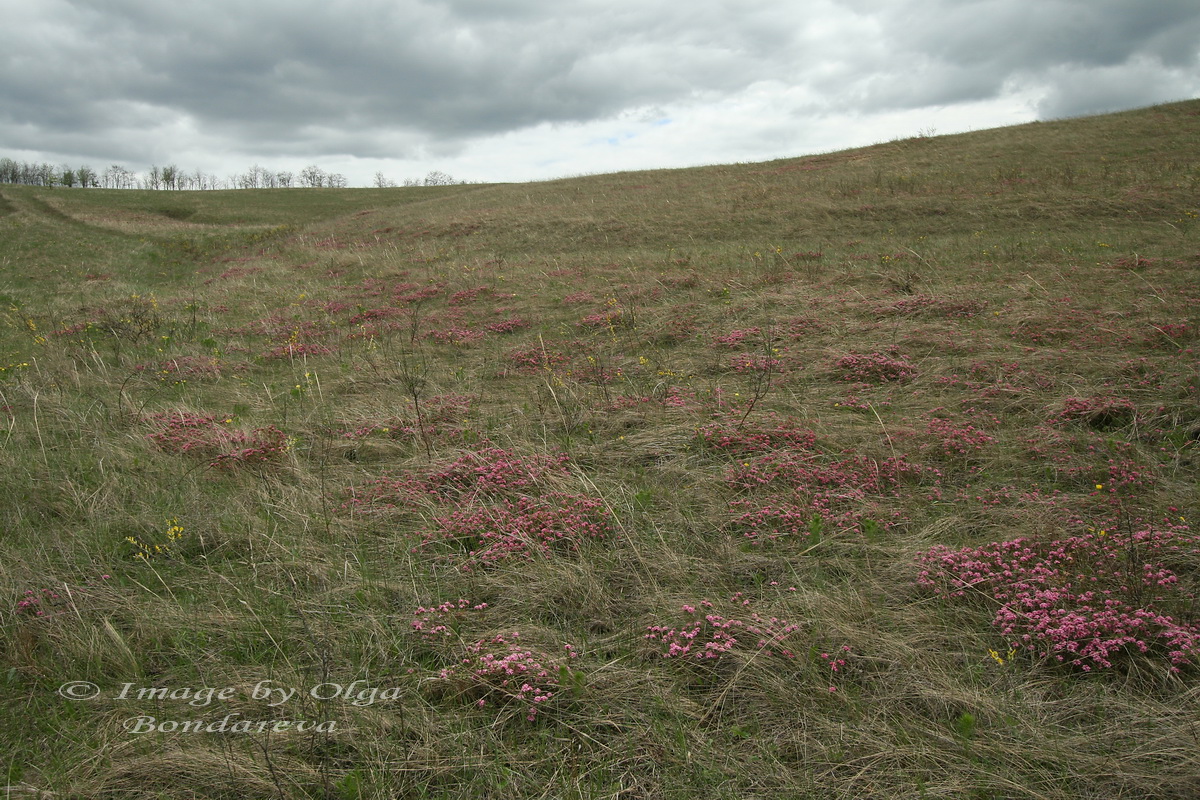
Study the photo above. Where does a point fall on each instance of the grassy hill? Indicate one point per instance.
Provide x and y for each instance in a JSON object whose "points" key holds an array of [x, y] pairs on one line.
{"points": [[872, 473]]}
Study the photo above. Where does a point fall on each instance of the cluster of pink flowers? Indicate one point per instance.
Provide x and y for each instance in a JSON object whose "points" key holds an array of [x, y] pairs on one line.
{"points": [[874, 368], [297, 350], [753, 362], [502, 669], [1172, 333], [484, 471], [405, 294], [510, 325], [768, 432], [209, 437], [44, 602], [498, 668], [468, 295], [35, 603], [611, 318], [1086, 600], [737, 338], [841, 494], [536, 359], [928, 305], [836, 662], [502, 506], [1098, 413], [523, 527], [957, 439], [806, 472], [455, 334], [707, 635], [579, 297], [442, 621]]}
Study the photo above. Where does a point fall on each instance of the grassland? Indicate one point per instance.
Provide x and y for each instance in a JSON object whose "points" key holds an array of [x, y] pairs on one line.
{"points": [[690, 483]]}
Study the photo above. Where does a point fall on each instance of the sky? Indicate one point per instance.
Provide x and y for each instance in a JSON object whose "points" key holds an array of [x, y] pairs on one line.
{"points": [[523, 90]]}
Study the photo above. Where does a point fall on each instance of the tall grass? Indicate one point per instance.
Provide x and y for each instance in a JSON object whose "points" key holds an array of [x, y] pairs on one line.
{"points": [[631, 485]]}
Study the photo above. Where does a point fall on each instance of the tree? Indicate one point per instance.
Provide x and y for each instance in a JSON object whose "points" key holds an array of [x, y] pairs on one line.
{"points": [[382, 183], [10, 170], [438, 178], [68, 177], [86, 177], [312, 176]]}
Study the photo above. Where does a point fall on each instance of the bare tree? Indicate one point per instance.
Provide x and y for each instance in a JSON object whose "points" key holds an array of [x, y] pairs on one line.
{"points": [[312, 176], [438, 178]]}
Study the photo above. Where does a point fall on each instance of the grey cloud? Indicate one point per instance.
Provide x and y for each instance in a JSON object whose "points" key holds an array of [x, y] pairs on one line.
{"points": [[947, 51], [454, 70], [400, 79]]}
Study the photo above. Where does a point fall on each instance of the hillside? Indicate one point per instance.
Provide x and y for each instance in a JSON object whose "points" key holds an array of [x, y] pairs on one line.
{"points": [[870, 473]]}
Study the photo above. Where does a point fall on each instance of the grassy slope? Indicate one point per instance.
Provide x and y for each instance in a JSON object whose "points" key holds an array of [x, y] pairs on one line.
{"points": [[1013, 270]]}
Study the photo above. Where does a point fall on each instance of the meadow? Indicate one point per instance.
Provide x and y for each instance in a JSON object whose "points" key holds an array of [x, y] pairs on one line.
{"points": [[872, 473]]}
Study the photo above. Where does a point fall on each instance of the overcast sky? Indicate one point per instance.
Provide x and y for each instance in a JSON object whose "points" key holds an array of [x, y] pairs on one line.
{"points": [[515, 90]]}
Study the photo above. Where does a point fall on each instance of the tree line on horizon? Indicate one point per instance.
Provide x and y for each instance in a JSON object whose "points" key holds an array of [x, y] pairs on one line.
{"points": [[171, 177]]}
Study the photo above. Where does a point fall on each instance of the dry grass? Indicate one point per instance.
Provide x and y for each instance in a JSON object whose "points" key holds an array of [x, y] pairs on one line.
{"points": [[1012, 313]]}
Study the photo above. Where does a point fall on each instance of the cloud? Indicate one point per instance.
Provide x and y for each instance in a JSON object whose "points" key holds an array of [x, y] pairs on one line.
{"points": [[399, 82]]}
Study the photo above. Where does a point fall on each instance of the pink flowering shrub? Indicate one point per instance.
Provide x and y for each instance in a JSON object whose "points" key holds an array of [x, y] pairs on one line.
{"points": [[768, 432], [502, 670], [297, 350], [497, 669], [706, 635], [612, 318], [482, 472], [1098, 413], [536, 359], [1089, 600], [510, 325], [752, 362], [922, 305], [874, 368], [957, 439], [737, 338], [407, 293], [455, 334], [209, 437], [807, 472], [469, 295], [808, 494], [523, 527], [492, 505]]}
